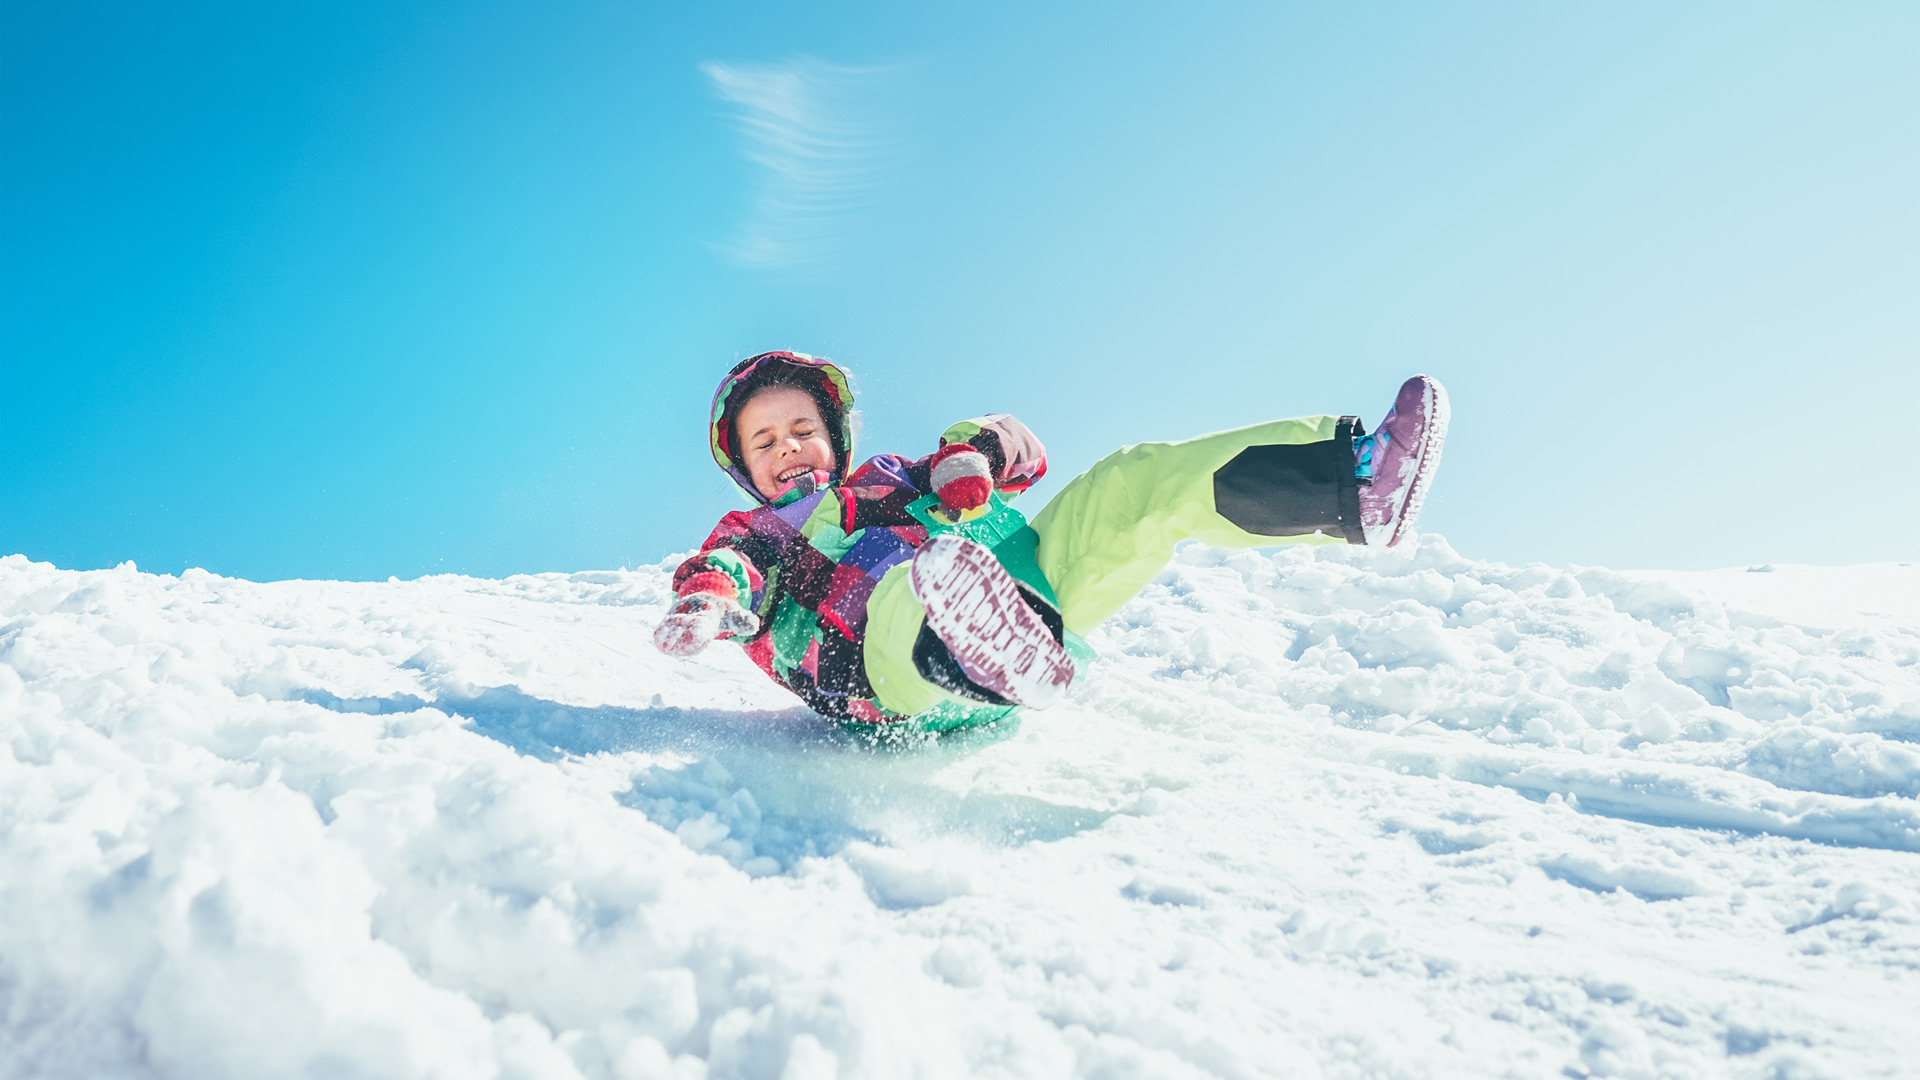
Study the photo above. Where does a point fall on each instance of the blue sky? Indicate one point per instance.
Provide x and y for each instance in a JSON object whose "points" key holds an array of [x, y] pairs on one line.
{"points": [[360, 290]]}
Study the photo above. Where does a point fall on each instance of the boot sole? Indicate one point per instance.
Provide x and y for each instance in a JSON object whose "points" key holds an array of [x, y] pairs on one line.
{"points": [[1439, 412], [974, 607]]}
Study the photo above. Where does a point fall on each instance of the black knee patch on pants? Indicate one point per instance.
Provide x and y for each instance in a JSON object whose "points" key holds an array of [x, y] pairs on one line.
{"points": [[1294, 490]]}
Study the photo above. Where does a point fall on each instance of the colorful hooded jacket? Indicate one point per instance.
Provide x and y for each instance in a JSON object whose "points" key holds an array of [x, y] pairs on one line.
{"points": [[807, 561]]}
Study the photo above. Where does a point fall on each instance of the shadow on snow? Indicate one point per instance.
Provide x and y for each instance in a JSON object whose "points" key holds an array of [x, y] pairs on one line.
{"points": [[762, 788]]}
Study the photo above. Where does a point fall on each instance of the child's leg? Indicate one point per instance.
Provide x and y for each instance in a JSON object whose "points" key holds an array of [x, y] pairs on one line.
{"points": [[958, 627], [1110, 531]]}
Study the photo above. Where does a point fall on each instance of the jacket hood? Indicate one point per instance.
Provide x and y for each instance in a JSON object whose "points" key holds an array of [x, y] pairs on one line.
{"points": [[828, 383]]}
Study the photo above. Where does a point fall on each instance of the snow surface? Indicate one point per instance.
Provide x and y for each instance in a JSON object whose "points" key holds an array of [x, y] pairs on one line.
{"points": [[1320, 812]]}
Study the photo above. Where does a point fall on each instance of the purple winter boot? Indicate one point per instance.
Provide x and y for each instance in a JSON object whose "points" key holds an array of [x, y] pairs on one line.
{"points": [[1396, 463]]}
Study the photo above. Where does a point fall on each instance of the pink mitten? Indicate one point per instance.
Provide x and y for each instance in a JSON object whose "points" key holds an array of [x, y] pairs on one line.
{"points": [[961, 476], [704, 611]]}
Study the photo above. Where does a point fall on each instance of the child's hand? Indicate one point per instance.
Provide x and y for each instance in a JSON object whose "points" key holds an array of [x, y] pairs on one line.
{"points": [[699, 618], [962, 477]]}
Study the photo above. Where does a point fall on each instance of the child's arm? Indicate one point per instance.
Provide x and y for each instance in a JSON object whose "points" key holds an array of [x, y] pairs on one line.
{"points": [[715, 592], [979, 455]]}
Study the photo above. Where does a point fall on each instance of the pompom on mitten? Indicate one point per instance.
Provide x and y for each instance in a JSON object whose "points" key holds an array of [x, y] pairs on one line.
{"points": [[961, 476], [705, 609]]}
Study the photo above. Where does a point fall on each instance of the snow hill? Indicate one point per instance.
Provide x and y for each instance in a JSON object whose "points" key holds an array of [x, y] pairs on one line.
{"points": [[1325, 812]]}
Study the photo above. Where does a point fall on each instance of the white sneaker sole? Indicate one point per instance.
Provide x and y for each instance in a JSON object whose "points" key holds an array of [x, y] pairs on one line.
{"points": [[974, 607], [1438, 413]]}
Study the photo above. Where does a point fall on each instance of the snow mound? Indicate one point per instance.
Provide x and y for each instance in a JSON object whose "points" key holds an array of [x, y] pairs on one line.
{"points": [[1325, 812]]}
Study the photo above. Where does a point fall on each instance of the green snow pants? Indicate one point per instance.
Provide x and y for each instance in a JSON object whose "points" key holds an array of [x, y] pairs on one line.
{"points": [[1114, 527]]}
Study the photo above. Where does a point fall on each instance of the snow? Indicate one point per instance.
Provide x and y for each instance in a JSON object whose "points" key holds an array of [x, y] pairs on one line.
{"points": [[1314, 812]]}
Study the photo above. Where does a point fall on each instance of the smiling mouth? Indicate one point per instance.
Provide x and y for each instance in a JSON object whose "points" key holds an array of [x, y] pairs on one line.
{"points": [[794, 473]]}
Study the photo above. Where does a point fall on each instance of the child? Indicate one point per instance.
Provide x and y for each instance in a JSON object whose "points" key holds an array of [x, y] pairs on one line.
{"points": [[910, 590]]}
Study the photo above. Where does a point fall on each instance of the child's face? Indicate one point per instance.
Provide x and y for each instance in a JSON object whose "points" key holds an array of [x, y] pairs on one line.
{"points": [[781, 436]]}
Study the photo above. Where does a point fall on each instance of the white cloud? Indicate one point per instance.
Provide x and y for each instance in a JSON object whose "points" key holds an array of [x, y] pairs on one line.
{"points": [[816, 132]]}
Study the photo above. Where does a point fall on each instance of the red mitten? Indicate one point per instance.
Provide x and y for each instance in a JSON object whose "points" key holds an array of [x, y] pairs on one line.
{"points": [[704, 610], [961, 476]]}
